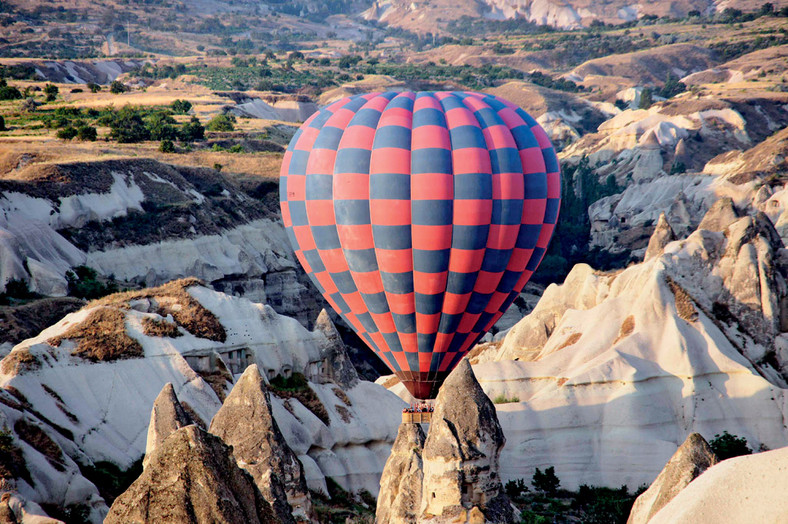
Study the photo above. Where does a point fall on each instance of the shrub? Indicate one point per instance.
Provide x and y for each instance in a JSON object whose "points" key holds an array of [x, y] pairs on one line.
{"points": [[17, 288], [547, 481], [192, 130], [221, 123], [646, 98], [503, 399], [110, 480], [51, 91], [77, 90], [161, 126], [87, 133], [166, 146], [83, 283], [2, 123], [117, 87], [515, 489], [727, 446], [102, 337], [94, 88], [181, 107], [67, 133], [127, 126]]}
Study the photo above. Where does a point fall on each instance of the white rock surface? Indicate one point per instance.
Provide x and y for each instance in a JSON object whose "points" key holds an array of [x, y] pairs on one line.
{"points": [[742, 489]]}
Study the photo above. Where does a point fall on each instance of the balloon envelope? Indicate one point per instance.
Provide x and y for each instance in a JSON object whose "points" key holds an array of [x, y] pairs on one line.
{"points": [[420, 217]]}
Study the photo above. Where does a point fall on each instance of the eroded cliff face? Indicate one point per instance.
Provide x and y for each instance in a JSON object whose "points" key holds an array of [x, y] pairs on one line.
{"points": [[455, 476]]}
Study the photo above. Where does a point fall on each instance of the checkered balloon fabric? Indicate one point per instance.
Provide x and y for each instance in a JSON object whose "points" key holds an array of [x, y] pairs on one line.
{"points": [[420, 217]]}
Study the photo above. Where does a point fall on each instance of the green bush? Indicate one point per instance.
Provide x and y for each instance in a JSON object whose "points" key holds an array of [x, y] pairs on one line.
{"points": [[83, 283], [515, 489], [646, 98], [192, 130], [16, 288], [51, 91], [117, 87], [222, 123], [727, 446], [67, 133], [181, 107], [161, 126], [87, 133], [94, 88], [166, 146], [2, 123], [9, 92], [127, 126], [547, 481]]}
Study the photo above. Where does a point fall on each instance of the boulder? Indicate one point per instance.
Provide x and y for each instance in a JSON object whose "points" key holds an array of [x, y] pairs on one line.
{"points": [[662, 236], [692, 458], [339, 366], [166, 416], [750, 488], [192, 477], [400, 486], [246, 423], [461, 454]]}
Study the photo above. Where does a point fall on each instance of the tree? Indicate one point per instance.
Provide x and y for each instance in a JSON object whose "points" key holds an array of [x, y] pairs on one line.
{"points": [[161, 126], [51, 91], [127, 126], [94, 88], [2, 123], [726, 446], [83, 283], [646, 98], [166, 146], [181, 107], [221, 123], [9, 92], [87, 133], [192, 130], [546, 482], [67, 133], [117, 87]]}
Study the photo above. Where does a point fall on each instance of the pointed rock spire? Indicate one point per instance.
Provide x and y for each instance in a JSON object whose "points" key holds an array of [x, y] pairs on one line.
{"points": [[461, 453], [339, 368], [192, 477], [246, 423], [692, 458], [662, 236], [166, 416], [720, 215], [400, 486]]}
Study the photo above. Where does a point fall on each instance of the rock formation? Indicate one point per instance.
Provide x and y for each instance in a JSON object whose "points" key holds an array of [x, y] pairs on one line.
{"points": [[720, 215], [400, 486], [166, 416], [461, 454], [741, 489], [246, 423], [192, 477], [340, 367], [692, 458], [662, 236]]}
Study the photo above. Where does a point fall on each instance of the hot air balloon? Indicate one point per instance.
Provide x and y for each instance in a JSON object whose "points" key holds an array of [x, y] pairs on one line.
{"points": [[420, 217]]}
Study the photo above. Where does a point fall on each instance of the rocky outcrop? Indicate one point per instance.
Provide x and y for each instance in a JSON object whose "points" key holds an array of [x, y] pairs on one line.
{"points": [[166, 416], [400, 486], [461, 454], [692, 458], [192, 477], [338, 362], [246, 423], [721, 214], [662, 236], [750, 488]]}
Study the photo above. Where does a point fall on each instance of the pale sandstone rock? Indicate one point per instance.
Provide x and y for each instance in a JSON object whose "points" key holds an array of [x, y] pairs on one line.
{"points": [[662, 236], [167, 415], [692, 458], [246, 423], [400, 486]]}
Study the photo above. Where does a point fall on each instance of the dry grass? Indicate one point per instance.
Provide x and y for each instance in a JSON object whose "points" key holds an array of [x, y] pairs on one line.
{"points": [[341, 395], [391, 381], [173, 299], [344, 414], [685, 306], [60, 404], [158, 327], [19, 361], [102, 337], [218, 382], [573, 338], [297, 387], [627, 328], [41, 442], [12, 460]]}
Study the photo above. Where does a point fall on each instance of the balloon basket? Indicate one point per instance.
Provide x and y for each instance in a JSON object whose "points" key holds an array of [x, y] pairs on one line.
{"points": [[418, 414]]}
